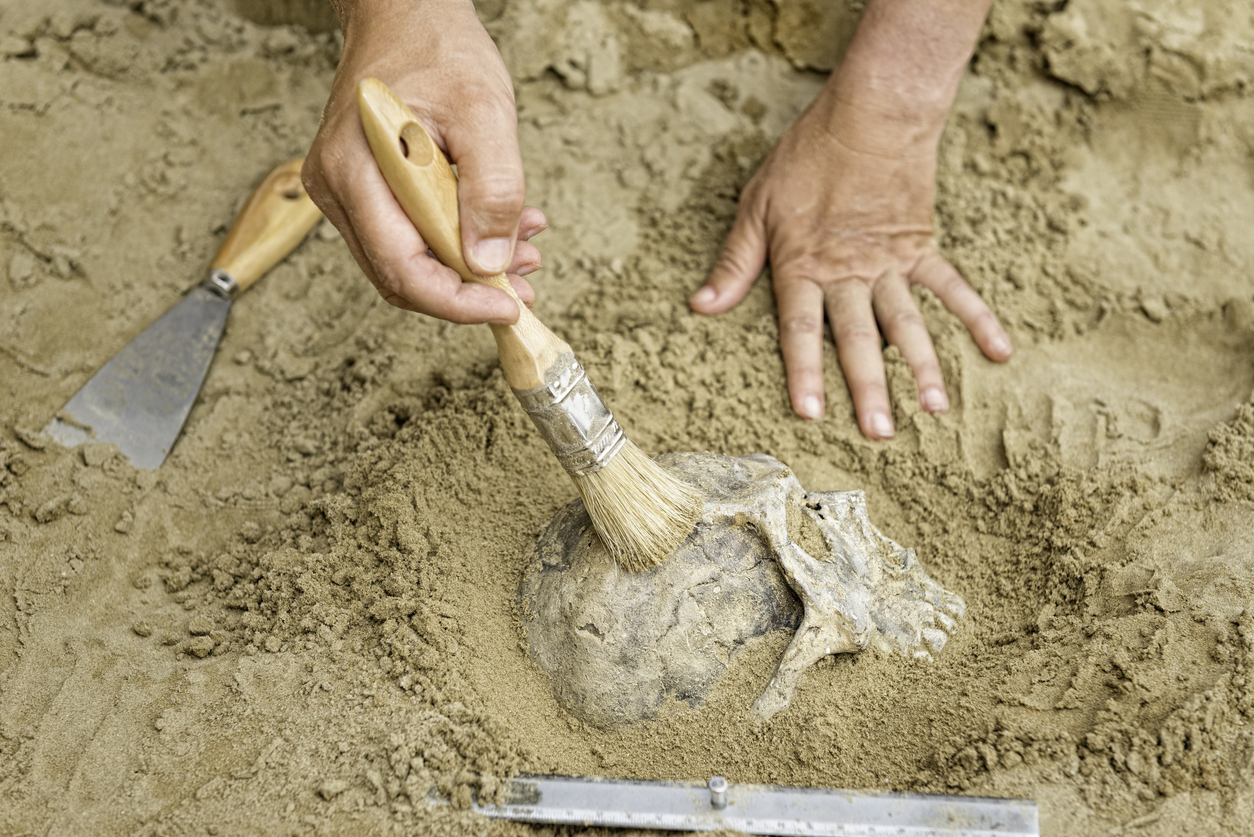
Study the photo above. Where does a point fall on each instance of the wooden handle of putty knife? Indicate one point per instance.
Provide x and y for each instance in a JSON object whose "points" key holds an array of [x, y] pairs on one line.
{"points": [[277, 217], [426, 188]]}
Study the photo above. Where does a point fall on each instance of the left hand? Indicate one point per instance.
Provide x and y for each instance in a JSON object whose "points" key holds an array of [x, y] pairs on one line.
{"points": [[843, 208]]}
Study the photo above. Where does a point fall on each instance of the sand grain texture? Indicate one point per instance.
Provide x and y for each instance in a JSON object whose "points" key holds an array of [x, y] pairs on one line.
{"points": [[308, 615]]}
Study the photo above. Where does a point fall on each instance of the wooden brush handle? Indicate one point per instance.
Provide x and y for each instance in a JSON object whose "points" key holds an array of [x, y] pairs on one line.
{"points": [[277, 217], [426, 188]]}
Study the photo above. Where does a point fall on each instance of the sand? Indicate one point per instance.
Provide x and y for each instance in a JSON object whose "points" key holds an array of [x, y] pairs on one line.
{"points": [[308, 615]]}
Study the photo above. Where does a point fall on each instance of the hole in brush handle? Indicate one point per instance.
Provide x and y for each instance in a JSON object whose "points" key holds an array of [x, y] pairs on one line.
{"points": [[416, 144]]}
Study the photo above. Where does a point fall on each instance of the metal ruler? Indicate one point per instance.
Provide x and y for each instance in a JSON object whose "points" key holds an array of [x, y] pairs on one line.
{"points": [[758, 809]]}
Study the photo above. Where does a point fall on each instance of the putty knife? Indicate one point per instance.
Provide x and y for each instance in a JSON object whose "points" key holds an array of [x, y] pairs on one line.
{"points": [[140, 399], [757, 809]]}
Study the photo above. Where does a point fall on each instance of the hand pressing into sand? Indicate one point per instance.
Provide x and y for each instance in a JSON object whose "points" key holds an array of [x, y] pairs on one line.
{"points": [[438, 58], [842, 207]]}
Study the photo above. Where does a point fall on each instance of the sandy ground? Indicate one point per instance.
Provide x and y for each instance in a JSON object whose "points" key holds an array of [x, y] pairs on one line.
{"points": [[307, 617]]}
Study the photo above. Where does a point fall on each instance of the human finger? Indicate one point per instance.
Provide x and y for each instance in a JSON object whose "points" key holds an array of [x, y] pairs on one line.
{"points": [[904, 327], [490, 190], [800, 305], [739, 264], [523, 288], [531, 223], [314, 181], [322, 165], [324, 199], [941, 278], [858, 347], [526, 259], [367, 267]]}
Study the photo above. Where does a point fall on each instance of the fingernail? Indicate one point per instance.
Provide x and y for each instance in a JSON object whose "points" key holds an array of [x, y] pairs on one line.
{"points": [[707, 295], [812, 407], [934, 400], [881, 425], [1001, 347], [492, 254], [528, 234], [528, 269]]}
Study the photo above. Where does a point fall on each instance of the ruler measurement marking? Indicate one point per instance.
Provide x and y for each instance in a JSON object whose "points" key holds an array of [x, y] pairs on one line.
{"points": [[761, 809], [696, 822]]}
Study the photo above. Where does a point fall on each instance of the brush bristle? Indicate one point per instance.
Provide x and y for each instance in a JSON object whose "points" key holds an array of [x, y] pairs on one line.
{"points": [[640, 510]]}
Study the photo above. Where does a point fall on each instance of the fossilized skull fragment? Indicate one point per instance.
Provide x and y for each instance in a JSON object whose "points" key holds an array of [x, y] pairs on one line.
{"points": [[766, 555]]}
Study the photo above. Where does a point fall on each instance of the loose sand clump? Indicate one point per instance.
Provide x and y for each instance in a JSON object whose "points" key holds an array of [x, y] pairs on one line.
{"points": [[308, 615]]}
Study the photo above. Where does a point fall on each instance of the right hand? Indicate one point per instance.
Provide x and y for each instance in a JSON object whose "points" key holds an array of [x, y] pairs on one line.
{"points": [[437, 57]]}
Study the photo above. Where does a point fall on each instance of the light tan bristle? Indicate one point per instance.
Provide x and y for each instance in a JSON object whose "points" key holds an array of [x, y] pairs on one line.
{"points": [[640, 510]]}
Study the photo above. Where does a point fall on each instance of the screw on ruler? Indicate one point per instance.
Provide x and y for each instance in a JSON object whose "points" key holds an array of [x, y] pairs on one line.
{"points": [[718, 793]]}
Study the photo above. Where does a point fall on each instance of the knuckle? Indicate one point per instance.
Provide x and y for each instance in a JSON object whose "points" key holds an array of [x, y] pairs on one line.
{"points": [[985, 321], [926, 369], [907, 319], [498, 191], [478, 119], [733, 263], [804, 371], [866, 385], [389, 290], [495, 109], [859, 332], [986, 317], [313, 180], [949, 284], [802, 325], [308, 171], [798, 269], [495, 196], [323, 175], [396, 301]]}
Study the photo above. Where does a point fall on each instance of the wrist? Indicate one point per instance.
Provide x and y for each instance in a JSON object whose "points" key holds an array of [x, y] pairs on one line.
{"points": [[877, 84], [901, 71], [357, 14]]}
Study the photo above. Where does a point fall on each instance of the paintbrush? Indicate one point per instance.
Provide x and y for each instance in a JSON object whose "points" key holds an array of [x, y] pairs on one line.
{"points": [[640, 510]]}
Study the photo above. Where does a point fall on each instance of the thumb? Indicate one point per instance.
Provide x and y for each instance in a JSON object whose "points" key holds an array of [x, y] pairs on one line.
{"points": [[490, 189], [738, 266]]}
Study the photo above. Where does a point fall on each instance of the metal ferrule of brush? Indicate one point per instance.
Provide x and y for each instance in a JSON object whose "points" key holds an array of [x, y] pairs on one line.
{"points": [[572, 418]]}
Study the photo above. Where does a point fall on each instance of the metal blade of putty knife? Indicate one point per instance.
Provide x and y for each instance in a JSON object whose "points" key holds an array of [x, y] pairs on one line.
{"points": [[140, 399], [757, 809]]}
